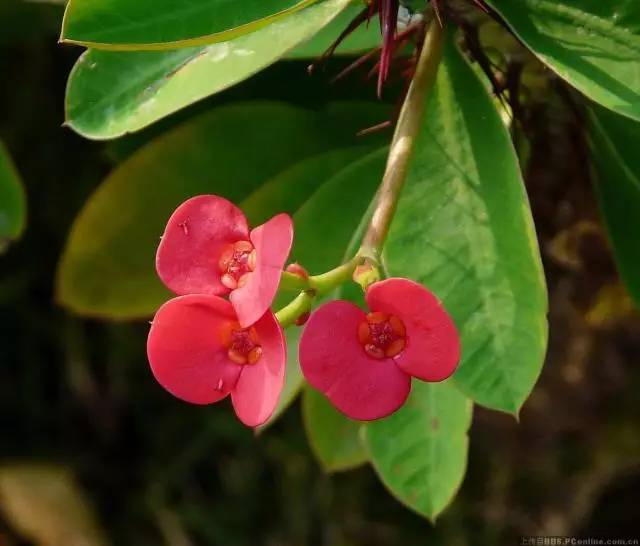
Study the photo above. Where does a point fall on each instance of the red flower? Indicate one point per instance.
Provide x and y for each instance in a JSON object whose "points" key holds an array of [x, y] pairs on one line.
{"points": [[364, 362], [199, 352], [207, 248]]}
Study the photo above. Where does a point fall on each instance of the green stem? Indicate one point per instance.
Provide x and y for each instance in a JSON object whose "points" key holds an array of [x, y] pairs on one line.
{"points": [[313, 288], [302, 304], [327, 282], [293, 282], [404, 138]]}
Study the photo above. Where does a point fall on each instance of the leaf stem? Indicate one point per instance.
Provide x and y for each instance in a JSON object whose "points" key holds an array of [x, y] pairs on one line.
{"points": [[404, 138], [329, 281], [314, 288], [290, 313], [292, 282]]}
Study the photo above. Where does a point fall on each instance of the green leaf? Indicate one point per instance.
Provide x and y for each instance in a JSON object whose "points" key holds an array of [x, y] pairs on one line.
{"points": [[420, 452], [463, 228], [326, 223], [12, 200], [166, 24], [614, 147], [334, 439], [364, 38], [110, 94], [107, 268], [291, 188], [593, 44]]}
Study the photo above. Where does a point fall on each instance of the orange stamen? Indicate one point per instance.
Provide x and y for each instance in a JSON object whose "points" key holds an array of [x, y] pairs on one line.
{"points": [[382, 335], [243, 344], [236, 262]]}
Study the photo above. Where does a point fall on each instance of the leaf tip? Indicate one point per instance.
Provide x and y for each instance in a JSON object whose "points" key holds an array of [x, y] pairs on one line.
{"points": [[433, 518]]}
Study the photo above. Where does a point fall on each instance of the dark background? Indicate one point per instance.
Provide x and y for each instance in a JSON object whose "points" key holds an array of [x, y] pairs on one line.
{"points": [[77, 394]]}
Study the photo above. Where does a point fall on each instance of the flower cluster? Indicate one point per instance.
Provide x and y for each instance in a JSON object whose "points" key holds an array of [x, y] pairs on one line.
{"points": [[203, 347]]}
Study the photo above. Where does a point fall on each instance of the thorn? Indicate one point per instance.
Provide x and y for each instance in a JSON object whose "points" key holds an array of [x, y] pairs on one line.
{"points": [[375, 69], [373, 8], [353, 25], [358, 62], [481, 5], [185, 227], [219, 385], [374, 128], [436, 10], [388, 22], [401, 40], [363, 16]]}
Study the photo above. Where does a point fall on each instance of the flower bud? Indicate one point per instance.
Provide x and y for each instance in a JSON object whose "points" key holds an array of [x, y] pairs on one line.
{"points": [[296, 269], [366, 274]]}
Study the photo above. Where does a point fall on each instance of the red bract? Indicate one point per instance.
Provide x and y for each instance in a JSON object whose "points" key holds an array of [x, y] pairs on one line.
{"points": [[364, 362], [207, 248], [199, 352]]}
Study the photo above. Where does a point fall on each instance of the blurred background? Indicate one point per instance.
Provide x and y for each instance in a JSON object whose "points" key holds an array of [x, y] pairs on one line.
{"points": [[94, 452]]}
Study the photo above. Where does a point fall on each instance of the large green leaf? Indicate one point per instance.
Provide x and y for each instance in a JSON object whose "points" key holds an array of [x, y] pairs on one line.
{"points": [[420, 452], [326, 223], [164, 24], [593, 44], [463, 228], [334, 439], [614, 147], [290, 189], [113, 93], [12, 200], [108, 265]]}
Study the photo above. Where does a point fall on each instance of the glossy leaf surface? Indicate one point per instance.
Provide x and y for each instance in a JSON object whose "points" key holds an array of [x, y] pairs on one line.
{"points": [[420, 452], [463, 229], [111, 93], [614, 147], [157, 24], [108, 264], [334, 439], [592, 44]]}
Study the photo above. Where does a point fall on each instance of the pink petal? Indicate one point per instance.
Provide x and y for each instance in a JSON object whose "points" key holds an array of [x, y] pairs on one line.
{"points": [[334, 362], [188, 255], [272, 241], [186, 351], [433, 345], [258, 389]]}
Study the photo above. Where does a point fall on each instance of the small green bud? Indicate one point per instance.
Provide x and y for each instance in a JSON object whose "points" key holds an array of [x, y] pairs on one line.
{"points": [[366, 274]]}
